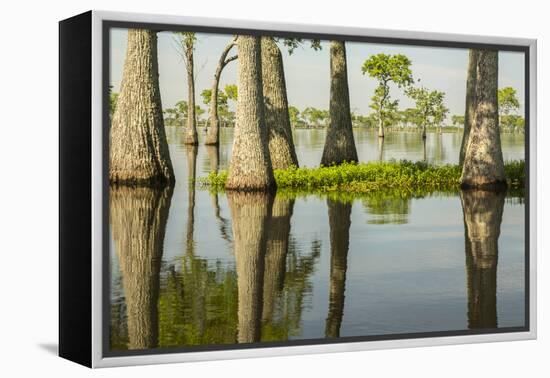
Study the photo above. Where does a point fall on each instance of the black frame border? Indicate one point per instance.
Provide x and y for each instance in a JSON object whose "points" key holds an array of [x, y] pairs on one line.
{"points": [[107, 25]]}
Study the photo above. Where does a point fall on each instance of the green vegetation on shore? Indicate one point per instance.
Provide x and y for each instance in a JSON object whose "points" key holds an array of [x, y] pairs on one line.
{"points": [[369, 177]]}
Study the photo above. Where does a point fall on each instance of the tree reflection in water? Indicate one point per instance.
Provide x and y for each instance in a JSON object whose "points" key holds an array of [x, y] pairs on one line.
{"points": [[206, 302], [223, 224], [388, 207], [191, 153], [138, 222], [482, 219], [262, 294], [276, 253], [339, 217], [250, 213]]}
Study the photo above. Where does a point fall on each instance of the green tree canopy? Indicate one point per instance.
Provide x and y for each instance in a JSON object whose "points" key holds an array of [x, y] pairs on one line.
{"points": [[457, 120], [507, 100], [315, 117], [429, 106], [231, 91], [294, 114], [387, 69], [176, 116], [292, 44]]}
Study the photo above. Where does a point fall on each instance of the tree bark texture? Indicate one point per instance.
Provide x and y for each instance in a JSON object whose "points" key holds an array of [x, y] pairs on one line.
{"points": [[277, 118], [483, 163], [138, 148], [213, 132], [250, 167], [339, 217], [138, 224], [339, 142], [277, 248], [191, 129], [250, 213], [470, 101], [482, 220]]}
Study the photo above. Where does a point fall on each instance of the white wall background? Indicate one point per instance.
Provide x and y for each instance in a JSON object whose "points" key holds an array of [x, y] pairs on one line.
{"points": [[28, 194]]}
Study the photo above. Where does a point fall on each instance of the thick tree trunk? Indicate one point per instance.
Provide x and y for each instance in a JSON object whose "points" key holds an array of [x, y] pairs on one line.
{"points": [[138, 224], [277, 249], [138, 147], [213, 132], [277, 118], [339, 142], [250, 214], [250, 168], [482, 219], [191, 129], [483, 163], [339, 217], [470, 101]]}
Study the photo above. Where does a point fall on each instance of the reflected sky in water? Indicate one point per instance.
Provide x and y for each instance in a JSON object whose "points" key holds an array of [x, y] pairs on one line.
{"points": [[392, 264]]}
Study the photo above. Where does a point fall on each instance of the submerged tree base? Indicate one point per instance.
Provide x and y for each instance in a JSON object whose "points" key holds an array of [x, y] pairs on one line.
{"points": [[369, 177]]}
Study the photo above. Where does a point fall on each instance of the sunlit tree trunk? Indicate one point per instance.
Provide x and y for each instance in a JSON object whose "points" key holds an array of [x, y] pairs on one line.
{"points": [[482, 219], [250, 168], [281, 145], [470, 101], [250, 213], [191, 129], [339, 217], [138, 147], [277, 249], [483, 163], [138, 223], [339, 142], [213, 132]]}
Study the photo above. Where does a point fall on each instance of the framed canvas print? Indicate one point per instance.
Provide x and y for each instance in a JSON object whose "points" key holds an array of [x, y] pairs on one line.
{"points": [[235, 189]]}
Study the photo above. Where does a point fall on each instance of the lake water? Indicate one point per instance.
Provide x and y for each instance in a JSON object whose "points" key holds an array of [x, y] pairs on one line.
{"points": [[191, 268]]}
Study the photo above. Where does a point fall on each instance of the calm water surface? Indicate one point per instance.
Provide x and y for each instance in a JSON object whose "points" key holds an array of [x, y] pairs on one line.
{"points": [[192, 268]]}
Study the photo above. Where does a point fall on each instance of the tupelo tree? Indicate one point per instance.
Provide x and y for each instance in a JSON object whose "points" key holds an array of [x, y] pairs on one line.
{"points": [[387, 69]]}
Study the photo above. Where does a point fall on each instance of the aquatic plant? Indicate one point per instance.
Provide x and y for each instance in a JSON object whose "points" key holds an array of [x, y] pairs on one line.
{"points": [[369, 177]]}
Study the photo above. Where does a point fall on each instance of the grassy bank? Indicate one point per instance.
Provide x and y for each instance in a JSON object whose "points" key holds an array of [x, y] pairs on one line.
{"points": [[373, 176]]}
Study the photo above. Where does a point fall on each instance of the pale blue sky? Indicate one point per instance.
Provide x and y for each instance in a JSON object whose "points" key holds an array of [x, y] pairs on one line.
{"points": [[307, 71]]}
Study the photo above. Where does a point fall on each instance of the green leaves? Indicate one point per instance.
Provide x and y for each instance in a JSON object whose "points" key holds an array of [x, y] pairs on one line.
{"points": [[231, 91], [389, 68], [187, 39], [507, 100], [429, 105], [292, 44], [315, 117], [373, 176], [176, 115]]}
